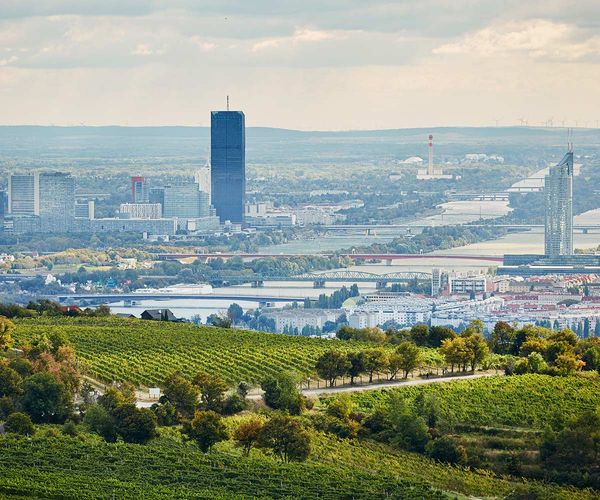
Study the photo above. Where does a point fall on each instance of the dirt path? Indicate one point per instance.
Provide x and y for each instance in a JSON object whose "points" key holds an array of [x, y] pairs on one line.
{"points": [[383, 385]]}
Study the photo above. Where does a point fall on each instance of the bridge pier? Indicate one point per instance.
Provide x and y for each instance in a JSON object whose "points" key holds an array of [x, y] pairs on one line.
{"points": [[319, 284], [380, 285], [388, 262], [258, 284]]}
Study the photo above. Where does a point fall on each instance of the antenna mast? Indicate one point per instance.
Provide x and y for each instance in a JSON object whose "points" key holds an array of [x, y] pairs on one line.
{"points": [[227, 103]]}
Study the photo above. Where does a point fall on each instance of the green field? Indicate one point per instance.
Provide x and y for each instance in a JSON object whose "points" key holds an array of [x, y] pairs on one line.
{"points": [[86, 467], [65, 467], [145, 352], [531, 401]]}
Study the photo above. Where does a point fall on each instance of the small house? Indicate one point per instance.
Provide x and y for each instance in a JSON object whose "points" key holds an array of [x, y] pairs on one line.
{"points": [[158, 315]]}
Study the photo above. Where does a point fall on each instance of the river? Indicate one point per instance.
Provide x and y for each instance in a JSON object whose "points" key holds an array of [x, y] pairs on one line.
{"points": [[452, 212]]}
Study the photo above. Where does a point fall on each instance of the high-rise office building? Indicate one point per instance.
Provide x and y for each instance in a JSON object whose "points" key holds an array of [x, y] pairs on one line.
{"points": [[558, 193], [228, 164], [185, 201], [23, 195], [3, 208], [138, 190], [202, 178], [85, 209], [56, 200], [156, 195]]}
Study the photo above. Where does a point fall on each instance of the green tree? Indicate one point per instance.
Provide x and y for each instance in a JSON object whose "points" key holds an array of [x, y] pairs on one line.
{"points": [[281, 393], [575, 447], [437, 334], [19, 423], [135, 425], [445, 450], [286, 437], [357, 365], [477, 348], [206, 429], [502, 338], [340, 407], [10, 382], [409, 357], [374, 361], [7, 327], [456, 353], [406, 429], [181, 393], [331, 365], [45, 399], [536, 363], [590, 354], [22, 366], [394, 364], [234, 313], [567, 364], [420, 334], [99, 420], [165, 413], [212, 391], [114, 397], [7, 406], [247, 433]]}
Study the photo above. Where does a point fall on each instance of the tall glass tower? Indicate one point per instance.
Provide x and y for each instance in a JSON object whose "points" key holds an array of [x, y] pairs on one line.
{"points": [[228, 164], [23, 194], [559, 208], [56, 201]]}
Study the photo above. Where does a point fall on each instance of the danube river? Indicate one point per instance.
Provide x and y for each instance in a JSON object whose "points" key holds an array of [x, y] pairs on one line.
{"points": [[453, 212]]}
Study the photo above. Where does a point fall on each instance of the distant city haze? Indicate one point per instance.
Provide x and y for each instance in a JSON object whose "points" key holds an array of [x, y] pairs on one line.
{"points": [[311, 65]]}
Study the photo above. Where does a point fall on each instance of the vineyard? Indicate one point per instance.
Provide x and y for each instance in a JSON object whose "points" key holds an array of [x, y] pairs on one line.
{"points": [[145, 352], [520, 401], [50, 466], [70, 468]]}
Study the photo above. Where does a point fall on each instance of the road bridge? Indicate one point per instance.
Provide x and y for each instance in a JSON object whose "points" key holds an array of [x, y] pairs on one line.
{"points": [[355, 256], [102, 298], [320, 279]]}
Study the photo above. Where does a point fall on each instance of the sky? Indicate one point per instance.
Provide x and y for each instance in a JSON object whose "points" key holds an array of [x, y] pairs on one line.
{"points": [[310, 64]]}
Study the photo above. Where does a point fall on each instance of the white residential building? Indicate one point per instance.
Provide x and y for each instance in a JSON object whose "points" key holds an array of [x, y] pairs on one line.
{"points": [[141, 210], [299, 318]]}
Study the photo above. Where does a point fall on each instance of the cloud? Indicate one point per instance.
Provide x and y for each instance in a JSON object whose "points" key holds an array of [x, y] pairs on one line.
{"points": [[304, 35], [309, 63], [540, 39]]}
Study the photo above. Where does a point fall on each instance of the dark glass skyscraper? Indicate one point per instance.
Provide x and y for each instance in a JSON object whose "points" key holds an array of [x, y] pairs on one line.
{"points": [[228, 164]]}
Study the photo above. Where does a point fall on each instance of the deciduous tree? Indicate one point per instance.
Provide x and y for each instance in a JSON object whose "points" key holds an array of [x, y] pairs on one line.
{"points": [[181, 393], [408, 357], [286, 437], [331, 365], [247, 433], [375, 361], [206, 429]]}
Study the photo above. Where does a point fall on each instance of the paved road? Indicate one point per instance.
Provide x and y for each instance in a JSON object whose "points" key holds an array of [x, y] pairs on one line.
{"points": [[383, 385]]}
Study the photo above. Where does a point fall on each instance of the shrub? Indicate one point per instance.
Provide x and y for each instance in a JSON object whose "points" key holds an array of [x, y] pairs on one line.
{"points": [[19, 423]]}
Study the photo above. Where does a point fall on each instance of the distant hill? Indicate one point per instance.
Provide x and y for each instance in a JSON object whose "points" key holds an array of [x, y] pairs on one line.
{"points": [[95, 146]]}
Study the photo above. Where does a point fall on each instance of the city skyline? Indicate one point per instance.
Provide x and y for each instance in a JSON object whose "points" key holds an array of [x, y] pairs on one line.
{"points": [[409, 64]]}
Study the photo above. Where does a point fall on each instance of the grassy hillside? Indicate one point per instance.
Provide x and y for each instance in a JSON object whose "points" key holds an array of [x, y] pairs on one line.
{"points": [[86, 467], [521, 401], [167, 468], [145, 352]]}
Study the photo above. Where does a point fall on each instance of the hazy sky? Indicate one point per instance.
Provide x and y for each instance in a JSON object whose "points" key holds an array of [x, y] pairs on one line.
{"points": [[310, 64]]}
